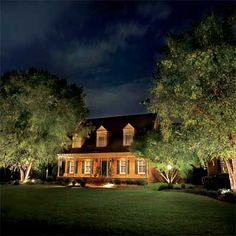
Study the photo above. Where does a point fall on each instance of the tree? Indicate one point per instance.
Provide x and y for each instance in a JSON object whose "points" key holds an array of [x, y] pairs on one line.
{"points": [[38, 113], [196, 82], [168, 156]]}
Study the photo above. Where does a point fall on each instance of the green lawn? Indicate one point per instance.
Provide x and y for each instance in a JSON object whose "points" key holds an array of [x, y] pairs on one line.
{"points": [[59, 210]]}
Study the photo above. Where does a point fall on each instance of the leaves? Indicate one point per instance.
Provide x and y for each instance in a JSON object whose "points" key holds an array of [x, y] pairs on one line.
{"points": [[38, 114]]}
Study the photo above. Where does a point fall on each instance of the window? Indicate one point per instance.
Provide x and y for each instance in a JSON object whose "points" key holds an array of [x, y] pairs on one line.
{"points": [[102, 137], [128, 139], [71, 167], [141, 167], [87, 167], [128, 134], [122, 167], [101, 141]]}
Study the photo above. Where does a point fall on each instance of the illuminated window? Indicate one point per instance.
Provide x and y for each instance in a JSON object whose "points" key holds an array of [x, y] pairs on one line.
{"points": [[87, 167], [128, 134], [122, 167], [128, 139], [141, 167], [71, 167], [101, 141], [102, 136]]}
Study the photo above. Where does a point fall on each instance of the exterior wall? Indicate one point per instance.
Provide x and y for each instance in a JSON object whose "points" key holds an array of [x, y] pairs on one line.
{"points": [[112, 160]]}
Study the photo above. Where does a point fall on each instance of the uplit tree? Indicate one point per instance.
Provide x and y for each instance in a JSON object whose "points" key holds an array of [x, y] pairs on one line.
{"points": [[196, 83], [169, 156], [38, 113]]}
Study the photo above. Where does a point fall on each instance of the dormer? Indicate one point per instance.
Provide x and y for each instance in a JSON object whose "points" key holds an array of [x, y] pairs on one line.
{"points": [[102, 137], [77, 141], [128, 134]]}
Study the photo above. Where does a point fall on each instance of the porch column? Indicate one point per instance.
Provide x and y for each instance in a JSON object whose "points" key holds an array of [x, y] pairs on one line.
{"points": [[58, 167], [100, 174], [107, 167], [66, 162]]}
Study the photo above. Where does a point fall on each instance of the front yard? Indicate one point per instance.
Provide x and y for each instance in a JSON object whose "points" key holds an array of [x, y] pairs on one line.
{"points": [[56, 210]]}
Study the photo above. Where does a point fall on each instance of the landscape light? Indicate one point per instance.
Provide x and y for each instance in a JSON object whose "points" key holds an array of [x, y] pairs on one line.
{"points": [[169, 167]]}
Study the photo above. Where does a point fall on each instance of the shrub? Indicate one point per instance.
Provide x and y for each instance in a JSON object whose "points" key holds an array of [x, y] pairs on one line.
{"points": [[189, 186], [165, 186], [130, 181], [141, 182], [49, 179], [82, 182], [109, 180], [175, 186], [162, 187], [216, 182], [228, 197], [73, 181], [16, 182], [183, 185], [170, 186], [117, 181]]}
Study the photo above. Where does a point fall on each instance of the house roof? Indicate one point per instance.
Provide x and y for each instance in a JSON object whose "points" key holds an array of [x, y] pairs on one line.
{"points": [[114, 126]]}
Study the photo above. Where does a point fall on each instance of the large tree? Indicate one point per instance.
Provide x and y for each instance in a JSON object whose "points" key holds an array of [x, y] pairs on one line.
{"points": [[196, 82], [38, 113]]}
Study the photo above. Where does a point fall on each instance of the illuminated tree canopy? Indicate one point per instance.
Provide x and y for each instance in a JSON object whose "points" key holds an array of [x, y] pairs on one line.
{"points": [[196, 83], [38, 113]]}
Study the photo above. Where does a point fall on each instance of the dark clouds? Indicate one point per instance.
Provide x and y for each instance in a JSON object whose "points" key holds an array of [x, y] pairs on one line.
{"points": [[24, 22], [110, 48]]}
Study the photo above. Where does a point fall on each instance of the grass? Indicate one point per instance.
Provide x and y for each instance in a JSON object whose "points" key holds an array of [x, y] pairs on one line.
{"points": [[49, 210]]}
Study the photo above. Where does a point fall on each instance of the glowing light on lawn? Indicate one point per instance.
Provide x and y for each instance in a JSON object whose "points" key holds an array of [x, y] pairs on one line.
{"points": [[108, 185], [169, 167]]}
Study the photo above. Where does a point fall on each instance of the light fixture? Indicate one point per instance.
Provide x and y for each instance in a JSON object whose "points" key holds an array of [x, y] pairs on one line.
{"points": [[169, 167]]}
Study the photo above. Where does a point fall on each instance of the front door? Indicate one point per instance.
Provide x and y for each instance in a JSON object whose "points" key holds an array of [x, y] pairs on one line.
{"points": [[104, 168]]}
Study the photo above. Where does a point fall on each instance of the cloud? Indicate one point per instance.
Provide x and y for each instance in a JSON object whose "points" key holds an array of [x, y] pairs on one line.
{"points": [[154, 10], [88, 55], [117, 100], [24, 22]]}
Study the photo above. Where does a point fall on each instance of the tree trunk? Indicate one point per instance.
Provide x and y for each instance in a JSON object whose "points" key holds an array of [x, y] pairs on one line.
{"points": [[22, 174], [27, 172], [231, 167]]}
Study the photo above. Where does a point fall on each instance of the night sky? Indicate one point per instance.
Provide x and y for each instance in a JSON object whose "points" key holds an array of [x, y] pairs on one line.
{"points": [[109, 48]]}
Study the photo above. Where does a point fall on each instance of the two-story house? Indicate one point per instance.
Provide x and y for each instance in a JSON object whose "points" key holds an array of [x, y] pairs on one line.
{"points": [[106, 151]]}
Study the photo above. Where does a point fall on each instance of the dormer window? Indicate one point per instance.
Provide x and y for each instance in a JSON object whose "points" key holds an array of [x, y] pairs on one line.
{"points": [[128, 135], [128, 139], [102, 136], [77, 141]]}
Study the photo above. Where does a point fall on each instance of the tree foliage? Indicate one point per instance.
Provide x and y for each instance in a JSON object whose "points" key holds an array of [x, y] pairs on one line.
{"points": [[196, 82], [38, 113]]}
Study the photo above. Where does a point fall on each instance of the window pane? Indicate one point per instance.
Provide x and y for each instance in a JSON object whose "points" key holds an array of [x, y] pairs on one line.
{"points": [[72, 167], [141, 167], [128, 139], [101, 141], [122, 167], [87, 167]]}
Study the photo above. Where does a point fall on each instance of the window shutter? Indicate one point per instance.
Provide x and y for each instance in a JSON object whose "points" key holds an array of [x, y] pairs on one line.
{"points": [[127, 166], [136, 167], [76, 167], [145, 169], [118, 167], [68, 166], [83, 167], [91, 172]]}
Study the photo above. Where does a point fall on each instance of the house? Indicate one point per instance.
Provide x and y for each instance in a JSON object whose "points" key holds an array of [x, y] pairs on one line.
{"points": [[105, 152]]}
